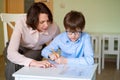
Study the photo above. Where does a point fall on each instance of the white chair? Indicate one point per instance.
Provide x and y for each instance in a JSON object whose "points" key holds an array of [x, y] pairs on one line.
{"points": [[111, 46], [8, 19], [96, 42]]}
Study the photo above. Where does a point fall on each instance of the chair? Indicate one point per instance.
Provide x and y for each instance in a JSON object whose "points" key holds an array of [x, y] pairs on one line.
{"points": [[111, 46], [96, 43], [8, 19]]}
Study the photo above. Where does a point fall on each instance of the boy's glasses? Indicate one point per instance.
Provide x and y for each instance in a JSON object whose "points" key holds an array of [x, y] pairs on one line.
{"points": [[75, 33]]}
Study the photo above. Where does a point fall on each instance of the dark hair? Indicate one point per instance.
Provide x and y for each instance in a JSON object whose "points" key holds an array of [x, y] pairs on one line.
{"points": [[74, 20], [33, 14]]}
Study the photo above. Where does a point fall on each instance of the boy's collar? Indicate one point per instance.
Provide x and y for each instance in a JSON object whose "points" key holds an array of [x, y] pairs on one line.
{"points": [[68, 40]]}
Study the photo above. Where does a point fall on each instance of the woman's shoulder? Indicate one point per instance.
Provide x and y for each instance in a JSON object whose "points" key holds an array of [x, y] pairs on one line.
{"points": [[21, 23], [21, 20], [54, 29], [54, 26]]}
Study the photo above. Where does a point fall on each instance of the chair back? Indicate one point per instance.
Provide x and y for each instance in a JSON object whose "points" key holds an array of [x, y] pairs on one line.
{"points": [[96, 43], [111, 44], [8, 19]]}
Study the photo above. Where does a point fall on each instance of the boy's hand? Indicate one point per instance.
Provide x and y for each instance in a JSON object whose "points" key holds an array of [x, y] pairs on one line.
{"points": [[61, 60], [54, 56]]}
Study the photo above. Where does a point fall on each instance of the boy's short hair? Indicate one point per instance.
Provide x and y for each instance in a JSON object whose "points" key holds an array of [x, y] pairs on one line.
{"points": [[74, 20]]}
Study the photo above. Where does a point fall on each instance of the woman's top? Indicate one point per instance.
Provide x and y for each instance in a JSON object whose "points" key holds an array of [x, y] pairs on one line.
{"points": [[28, 38], [79, 52]]}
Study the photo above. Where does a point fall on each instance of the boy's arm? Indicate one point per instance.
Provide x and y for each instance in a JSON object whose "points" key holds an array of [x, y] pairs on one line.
{"points": [[51, 49]]}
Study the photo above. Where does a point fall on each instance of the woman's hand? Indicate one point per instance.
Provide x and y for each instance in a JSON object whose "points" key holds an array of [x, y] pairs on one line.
{"points": [[42, 64]]}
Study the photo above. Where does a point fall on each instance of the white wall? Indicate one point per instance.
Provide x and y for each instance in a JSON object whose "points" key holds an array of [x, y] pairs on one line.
{"points": [[102, 16]]}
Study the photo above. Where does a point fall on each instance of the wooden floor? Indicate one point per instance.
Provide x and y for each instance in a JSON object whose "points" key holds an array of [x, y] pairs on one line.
{"points": [[109, 73]]}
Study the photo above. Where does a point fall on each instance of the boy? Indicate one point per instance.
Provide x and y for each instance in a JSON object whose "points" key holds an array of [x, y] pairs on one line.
{"points": [[74, 44]]}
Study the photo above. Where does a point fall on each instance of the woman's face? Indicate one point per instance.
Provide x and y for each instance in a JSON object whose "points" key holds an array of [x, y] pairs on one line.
{"points": [[43, 22]]}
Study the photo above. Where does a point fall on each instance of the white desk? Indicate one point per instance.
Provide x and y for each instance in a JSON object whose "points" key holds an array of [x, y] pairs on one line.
{"points": [[61, 72]]}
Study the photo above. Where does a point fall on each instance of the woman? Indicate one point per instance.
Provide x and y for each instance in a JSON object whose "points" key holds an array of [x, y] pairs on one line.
{"points": [[30, 35]]}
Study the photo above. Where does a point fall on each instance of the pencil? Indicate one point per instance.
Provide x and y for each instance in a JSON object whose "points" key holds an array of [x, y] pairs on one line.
{"points": [[56, 54]]}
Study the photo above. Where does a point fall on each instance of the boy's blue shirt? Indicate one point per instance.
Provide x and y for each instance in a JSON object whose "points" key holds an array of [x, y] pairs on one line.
{"points": [[77, 53]]}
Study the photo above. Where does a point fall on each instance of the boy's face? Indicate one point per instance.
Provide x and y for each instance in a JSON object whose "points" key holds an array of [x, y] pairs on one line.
{"points": [[73, 35]]}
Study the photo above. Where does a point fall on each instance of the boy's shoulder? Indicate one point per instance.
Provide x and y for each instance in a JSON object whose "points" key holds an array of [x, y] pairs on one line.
{"points": [[85, 34]]}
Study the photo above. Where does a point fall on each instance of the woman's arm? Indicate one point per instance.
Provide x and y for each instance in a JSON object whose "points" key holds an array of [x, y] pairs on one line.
{"points": [[13, 54]]}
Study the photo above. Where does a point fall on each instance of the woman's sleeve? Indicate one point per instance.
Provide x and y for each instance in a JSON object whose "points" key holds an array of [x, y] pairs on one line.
{"points": [[13, 54]]}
